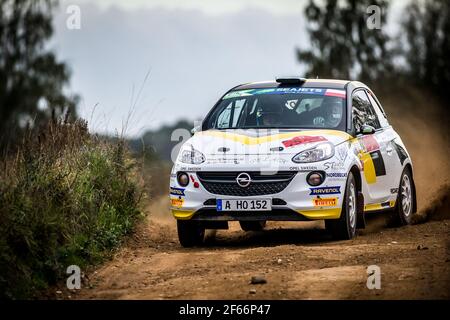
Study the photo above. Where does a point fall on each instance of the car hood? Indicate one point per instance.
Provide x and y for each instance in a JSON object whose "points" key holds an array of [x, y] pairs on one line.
{"points": [[254, 146]]}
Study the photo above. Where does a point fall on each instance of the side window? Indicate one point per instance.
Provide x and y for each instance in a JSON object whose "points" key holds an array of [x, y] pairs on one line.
{"points": [[238, 105], [380, 113], [223, 120], [229, 116], [363, 112]]}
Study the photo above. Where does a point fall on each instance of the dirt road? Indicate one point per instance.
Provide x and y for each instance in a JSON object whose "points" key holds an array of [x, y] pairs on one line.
{"points": [[298, 260]]}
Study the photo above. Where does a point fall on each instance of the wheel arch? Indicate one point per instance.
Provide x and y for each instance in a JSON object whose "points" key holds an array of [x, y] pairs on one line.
{"points": [[357, 175], [408, 166]]}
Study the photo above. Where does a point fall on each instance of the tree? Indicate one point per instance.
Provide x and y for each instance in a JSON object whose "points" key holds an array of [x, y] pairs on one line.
{"points": [[32, 80], [427, 45], [342, 45]]}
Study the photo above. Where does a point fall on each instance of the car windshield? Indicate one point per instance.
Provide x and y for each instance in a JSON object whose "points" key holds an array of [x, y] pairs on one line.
{"points": [[282, 107]]}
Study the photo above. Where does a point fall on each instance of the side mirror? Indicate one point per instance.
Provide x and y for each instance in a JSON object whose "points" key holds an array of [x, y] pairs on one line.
{"points": [[367, 129], [196, 129]]}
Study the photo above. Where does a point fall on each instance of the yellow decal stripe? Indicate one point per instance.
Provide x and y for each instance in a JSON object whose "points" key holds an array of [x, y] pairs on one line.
{"points": [[321, 214], [372, 207], [247, 140], [369, 168], [378, 206], [182, 214]]}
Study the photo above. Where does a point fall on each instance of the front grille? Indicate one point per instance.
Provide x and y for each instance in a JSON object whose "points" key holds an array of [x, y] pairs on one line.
{"points": [[224, 183]]}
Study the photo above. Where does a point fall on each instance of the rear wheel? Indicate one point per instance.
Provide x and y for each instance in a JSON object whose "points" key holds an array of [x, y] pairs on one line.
{"points": [[252, 225], [190, 233], [344, 228], [404, 209]]}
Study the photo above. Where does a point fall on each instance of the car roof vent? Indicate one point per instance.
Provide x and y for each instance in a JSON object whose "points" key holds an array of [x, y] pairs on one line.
{"points": [[290, 80]]}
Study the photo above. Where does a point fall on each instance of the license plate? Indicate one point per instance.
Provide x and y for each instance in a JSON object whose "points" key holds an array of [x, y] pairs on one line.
{"points": [[244, 205]]}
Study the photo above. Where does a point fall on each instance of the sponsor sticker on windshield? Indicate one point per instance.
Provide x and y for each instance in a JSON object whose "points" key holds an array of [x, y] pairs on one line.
{"points": [[313, 91]]}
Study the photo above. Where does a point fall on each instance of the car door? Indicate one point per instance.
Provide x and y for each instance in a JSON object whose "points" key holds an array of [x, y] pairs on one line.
{"points": [[374, 149], [392, 152]]}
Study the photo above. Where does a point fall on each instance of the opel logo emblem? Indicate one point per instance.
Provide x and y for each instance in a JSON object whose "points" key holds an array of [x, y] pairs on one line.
{"points": [[243, 180]]}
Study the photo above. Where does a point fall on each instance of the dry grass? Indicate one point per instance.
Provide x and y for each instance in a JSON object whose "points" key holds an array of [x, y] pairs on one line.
{"points": [[66, 197]]}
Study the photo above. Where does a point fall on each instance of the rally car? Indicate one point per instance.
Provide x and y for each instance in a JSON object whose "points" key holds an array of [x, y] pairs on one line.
{"points": [[292, 149]]}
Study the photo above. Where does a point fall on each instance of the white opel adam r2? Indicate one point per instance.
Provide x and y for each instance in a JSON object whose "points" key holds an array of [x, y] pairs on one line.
{"points": [[293, 149]]}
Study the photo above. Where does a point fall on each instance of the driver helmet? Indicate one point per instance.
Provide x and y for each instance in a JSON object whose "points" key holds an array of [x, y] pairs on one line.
{"points": [[333, 110], [268, 114]]}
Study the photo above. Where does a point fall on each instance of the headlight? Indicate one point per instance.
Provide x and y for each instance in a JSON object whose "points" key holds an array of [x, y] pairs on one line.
{"points": [[321, 152], [192, 156]]}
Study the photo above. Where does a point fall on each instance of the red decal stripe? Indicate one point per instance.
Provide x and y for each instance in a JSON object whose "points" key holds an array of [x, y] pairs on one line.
{"points": [[301, 140], [335, 93]]}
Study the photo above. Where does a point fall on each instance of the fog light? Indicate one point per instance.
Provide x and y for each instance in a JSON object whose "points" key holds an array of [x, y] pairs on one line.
{"points": [[183, 179], [315, 178]]}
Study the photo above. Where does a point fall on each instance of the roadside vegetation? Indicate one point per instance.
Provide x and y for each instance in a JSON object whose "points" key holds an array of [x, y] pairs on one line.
{"points": [[66, 197]]}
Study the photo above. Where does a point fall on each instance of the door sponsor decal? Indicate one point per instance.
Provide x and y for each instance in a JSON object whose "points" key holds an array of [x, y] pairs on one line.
{"points": [[370, 143], [378, 163], [371, 159], [368, 167]]}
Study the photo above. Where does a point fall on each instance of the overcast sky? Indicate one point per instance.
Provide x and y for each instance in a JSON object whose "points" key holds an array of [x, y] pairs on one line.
{"points": [[193, 50]]}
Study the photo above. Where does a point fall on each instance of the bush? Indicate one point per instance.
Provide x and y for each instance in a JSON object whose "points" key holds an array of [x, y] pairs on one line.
{"points": [[66, 197]]}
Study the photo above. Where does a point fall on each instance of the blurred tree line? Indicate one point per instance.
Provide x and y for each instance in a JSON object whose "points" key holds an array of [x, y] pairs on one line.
{"points": [[342, 45], [32, 80], [426, 33], [157, 144]]}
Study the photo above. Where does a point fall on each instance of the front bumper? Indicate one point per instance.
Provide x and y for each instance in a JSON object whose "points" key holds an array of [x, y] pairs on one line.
{"points": [[297, 203]]}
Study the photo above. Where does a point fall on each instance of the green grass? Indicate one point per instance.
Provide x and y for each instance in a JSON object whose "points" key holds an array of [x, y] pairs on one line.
{"points": [[66, 197]]}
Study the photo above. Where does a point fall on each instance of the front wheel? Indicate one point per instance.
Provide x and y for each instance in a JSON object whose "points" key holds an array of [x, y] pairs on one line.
{"points": [[190, 233], [344, 228]]}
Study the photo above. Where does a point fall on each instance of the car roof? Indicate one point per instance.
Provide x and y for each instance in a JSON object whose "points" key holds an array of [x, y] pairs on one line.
{"points": [[309, 83]]}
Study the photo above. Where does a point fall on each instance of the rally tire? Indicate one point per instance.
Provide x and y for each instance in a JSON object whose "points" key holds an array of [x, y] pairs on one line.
{"points": [[190, 233], [404, 209], [252, 225], [344, 228]]}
